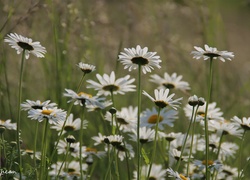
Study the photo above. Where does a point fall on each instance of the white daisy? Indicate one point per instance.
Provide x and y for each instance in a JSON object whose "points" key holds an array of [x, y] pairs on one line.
{"points": [[133, 57], [170, 82], [21, 43], [72, 171], [86, 68], [146, 135], [54, 115], [83, 98], [211, 164], [243, 123], [98, 139], [167, 117], [70, 125], [123, 149], [28, 105], [114, 140], [108, 84], [7, 124], [74, 148], [175, 174], [126, 119], [213, 113], [157, 172], [163, 99], [31, 153], [171, 136], [99, 106], [210, 52], [225, 127], [227, 173], [175, 156]]}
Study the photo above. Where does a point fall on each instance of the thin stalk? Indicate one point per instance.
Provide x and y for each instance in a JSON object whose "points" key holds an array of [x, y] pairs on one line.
{"points": [[65, 160], [19, 114], [185, 141], [44, 150], [108, 172], [205, 118], [116, 166], [155, 141], [240, 151], [68, 113], [35, 140], [81, 135], [192, 139], [138, 121]]}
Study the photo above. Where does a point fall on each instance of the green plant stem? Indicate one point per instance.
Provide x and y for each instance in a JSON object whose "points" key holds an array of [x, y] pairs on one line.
{"points": [[185, 141], [64, 161], [81, 138], [155, 142], [116, 166], [68, 113], [205, 118], [35, 140], [240, 154], [138, 122], [19, 114], [108, 172], [192, 139], [44, 150]]}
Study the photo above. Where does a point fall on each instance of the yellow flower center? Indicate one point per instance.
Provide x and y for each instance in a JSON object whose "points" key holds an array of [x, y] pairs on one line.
{"points": [[210, 162], [28, 151], [46, 112], [201, 113], [153, 119], [183, 177], [84, 94], [91, 150]]}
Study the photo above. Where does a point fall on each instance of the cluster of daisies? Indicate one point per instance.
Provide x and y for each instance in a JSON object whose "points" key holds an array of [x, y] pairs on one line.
{"points": [[122, 133]]}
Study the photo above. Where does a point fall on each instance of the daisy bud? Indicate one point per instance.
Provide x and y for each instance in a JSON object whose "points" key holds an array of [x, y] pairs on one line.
{"points": [[89, 160], [112, 110], [201, 101], [71, 139], [2, 129], [193, 100], [13, 143]]}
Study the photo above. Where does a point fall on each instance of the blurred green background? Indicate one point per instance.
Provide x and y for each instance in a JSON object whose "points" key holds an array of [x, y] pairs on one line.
{"points": [[96, 31]]}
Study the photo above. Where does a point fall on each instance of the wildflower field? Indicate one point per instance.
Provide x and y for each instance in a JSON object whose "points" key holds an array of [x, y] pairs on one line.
{"points": [[122, 90]]}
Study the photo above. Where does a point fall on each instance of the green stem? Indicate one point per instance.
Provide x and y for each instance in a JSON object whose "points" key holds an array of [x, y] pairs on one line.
{"points": [[155, 141], [138, 121], [240, 151], [192, 139], [19, 114], [81, 136], [108, 172], [205, 118], [34, 155], [185, 141], [65, 160], [44, 150], [116, 166]]}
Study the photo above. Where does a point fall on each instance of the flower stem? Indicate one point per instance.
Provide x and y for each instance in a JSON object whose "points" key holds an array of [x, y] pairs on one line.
{"points": [[81, 137], [19, 114], [240, 155], [205, 118], [44, 150], [155, 141], [34, 155], [138, 121], [185, 141]]}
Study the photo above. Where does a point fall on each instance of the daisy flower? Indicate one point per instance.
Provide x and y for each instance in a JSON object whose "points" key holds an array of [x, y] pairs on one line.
{"points": [[157, 172], [31, 153], [28, 105], [211, 164], [86, 68], [115, 140], [163, 99], [167, 117], [74, 148], [109, 84], [211, 52], [175, 156], [171, 136], [83, 98], [146, 135], [92, 151], [21, 44], [225, 127], [98, 139], [54, 115], [213, 112], [133, 57], [227, 173], [7, 124], [126, 119], [99, 106], [175, 174], [71, 172], [243, 123], [124, 149], [170, 82], [70, 125]]}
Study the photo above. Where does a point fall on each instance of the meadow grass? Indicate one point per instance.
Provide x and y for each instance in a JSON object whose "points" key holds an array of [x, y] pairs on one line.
{"points": [[95, 33]]}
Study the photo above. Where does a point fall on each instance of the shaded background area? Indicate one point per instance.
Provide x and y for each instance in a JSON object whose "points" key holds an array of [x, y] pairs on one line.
{"points": [[96, 31]]}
